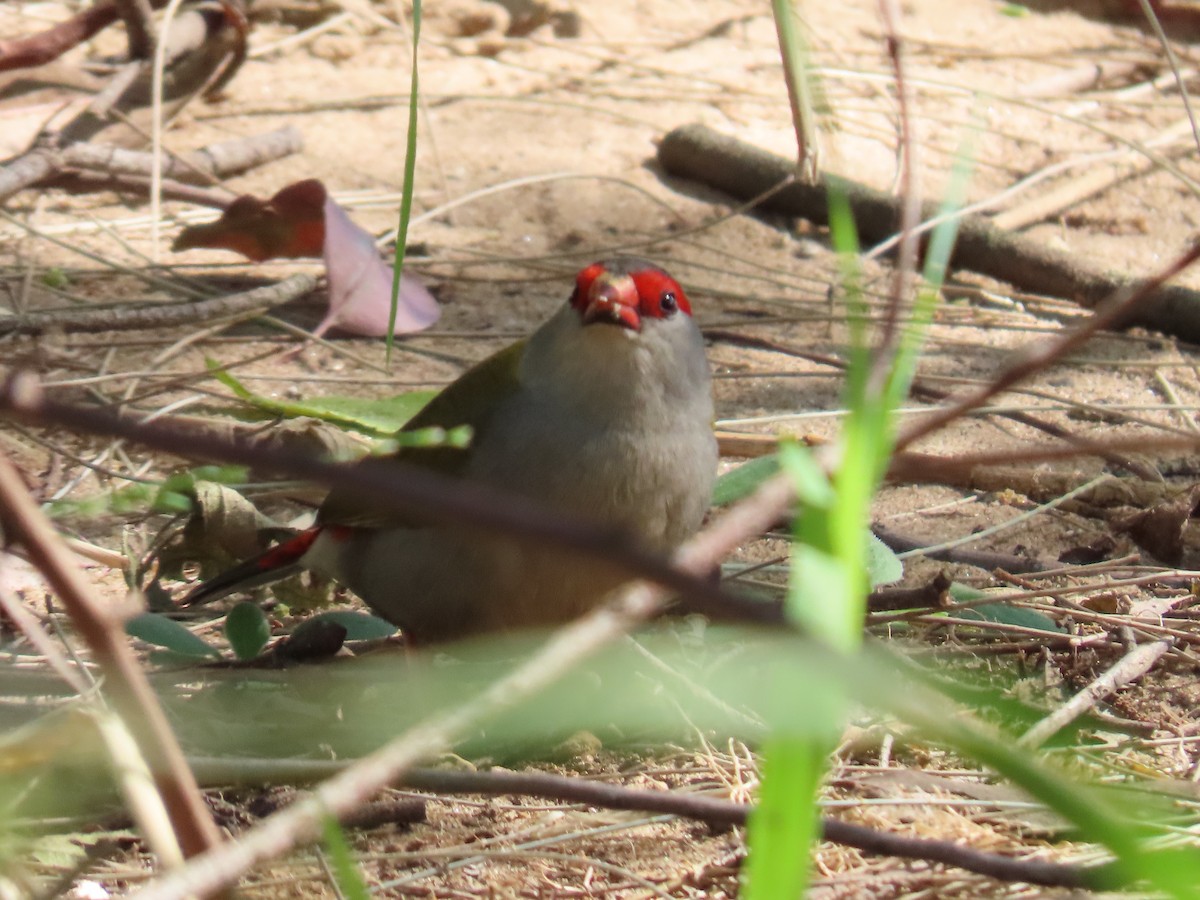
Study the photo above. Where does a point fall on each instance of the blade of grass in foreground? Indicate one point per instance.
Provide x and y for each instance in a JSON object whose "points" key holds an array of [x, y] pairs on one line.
{"points": [[828, 589], [827, 598], [410, 168], [349, 881], [785, 822]]}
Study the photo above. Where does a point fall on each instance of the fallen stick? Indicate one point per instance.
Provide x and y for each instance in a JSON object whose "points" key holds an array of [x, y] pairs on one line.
{"points": [[214, 161], [716, 811], [744, 171], [162, 315]]}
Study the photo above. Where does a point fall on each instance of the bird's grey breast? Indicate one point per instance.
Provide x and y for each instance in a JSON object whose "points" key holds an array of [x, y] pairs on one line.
{"points": [[651, 475]]}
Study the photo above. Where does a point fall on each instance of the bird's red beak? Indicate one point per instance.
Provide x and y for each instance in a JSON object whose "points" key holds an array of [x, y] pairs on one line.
{"points": [[613, 299]]}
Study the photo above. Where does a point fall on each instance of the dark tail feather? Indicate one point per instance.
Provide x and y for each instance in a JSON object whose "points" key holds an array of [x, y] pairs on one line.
{"points": [[271, 565]]}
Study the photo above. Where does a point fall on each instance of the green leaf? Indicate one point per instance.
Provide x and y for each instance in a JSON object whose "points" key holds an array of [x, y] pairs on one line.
{"points": [[811, 485], [131, 498], [1005, 614], [163, 632], [961, 593], [178, 491], [220, 474], [171, 502], [821, 597], [247, 630], [744, 480], [359, 626], [380, 417], [882, 565], [349, 879], [784, 823], [1001, 613]]}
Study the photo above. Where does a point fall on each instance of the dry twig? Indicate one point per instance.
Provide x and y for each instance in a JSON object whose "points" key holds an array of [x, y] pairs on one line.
{"points": [[1112, 310], [208, 163], [1130, 667], [920, 388], [714, 810], [162, 315]]}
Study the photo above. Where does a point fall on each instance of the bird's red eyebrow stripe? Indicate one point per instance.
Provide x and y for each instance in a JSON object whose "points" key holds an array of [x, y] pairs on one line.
{"points": [[650, 284]]}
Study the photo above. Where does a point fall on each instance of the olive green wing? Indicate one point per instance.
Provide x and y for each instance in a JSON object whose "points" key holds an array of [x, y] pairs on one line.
{"points": [[470, 400]]}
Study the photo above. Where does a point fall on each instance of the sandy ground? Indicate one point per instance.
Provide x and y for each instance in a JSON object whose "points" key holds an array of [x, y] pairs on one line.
{"points": [[537, 154]]}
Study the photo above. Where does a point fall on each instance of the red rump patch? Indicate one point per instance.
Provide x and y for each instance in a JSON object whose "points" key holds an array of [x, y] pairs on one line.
{"points": [[289, 551]]}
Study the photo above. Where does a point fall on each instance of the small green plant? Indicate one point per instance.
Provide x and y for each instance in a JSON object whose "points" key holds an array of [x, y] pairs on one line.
{"points": [[247, 630]]}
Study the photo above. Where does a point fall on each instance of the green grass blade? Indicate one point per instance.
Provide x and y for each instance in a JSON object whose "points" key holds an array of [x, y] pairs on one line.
{"points": [[410, 168], [785, 822], [800, 79], [351, 885]]}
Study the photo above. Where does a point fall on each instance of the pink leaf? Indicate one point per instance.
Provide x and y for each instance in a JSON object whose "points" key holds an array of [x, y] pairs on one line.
{"points": [[360, 284]]}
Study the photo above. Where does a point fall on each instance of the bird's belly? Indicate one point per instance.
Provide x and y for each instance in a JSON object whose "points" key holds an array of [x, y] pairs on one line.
{"points": [[444, 583], [440, 583]]}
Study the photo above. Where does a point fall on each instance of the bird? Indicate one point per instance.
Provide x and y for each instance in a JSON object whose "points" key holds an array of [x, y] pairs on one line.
{"points": [[604, 413]]}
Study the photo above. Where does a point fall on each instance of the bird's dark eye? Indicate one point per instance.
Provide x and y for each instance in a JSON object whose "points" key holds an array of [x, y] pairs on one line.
{"points": [[668, 303]]}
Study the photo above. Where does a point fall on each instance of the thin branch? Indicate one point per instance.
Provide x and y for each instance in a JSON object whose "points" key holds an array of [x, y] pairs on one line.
{"points": [[29, 625], [934, 593], [215, 161], [958, 470], [1173, 61], [910, 208], [48, 45], [927, 391], [982, 559], [1132, 666], [1095, 180], [139, 27], [143, 799], [162, 315], [713, 810], [91, 182]]}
